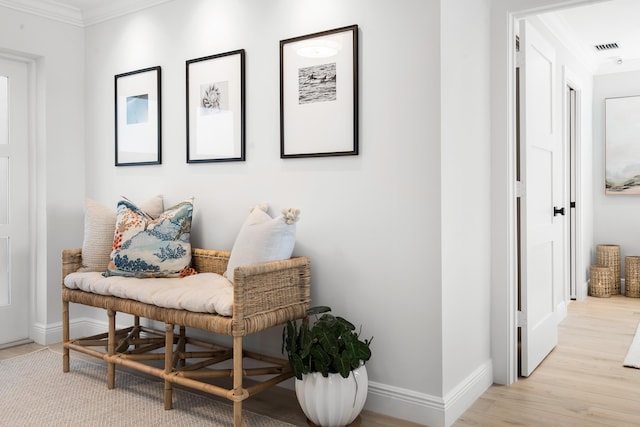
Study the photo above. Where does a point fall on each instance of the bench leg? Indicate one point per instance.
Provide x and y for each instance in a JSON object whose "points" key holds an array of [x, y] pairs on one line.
{"points": [[237, 381], [168, 359], [136, 325], [181, 348], [111, 350], [65, 336]]}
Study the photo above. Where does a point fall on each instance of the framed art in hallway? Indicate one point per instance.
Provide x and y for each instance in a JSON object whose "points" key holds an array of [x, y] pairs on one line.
{"points": [[319, 94], [215, 108], [622, 145], [138, 117]]}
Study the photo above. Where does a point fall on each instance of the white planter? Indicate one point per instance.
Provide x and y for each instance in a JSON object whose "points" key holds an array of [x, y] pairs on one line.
{"points": [[333, 401]]}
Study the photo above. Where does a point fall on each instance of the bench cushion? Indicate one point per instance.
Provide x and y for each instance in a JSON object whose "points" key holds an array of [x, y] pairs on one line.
{"points": [[201, 293]]}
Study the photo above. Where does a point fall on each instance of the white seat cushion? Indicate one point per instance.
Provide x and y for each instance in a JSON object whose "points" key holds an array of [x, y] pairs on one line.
{"points": [[200, 293]]}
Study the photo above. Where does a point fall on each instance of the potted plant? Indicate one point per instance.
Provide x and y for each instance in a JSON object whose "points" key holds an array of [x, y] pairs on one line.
{"points": [[328, 359]]}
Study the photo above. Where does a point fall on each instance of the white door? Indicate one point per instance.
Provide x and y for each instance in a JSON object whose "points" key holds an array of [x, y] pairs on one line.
{"points": [[14, 207], [542, 259]]}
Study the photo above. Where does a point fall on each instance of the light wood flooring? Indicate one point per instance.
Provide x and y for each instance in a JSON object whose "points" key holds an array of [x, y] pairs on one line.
{"points": [[581, 383]]}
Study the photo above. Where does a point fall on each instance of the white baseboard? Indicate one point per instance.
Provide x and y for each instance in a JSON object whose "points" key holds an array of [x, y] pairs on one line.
{"points": [[561, 311], [427, 409], [457, 401], [405, 404], [47, 334], [38, 334]]}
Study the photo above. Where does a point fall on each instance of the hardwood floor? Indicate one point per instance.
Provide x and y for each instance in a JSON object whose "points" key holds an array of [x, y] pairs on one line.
{"points": [[582, 382]]}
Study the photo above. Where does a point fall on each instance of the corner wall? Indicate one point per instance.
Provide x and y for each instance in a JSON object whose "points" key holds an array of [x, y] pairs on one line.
{"points": [[466, 207]]}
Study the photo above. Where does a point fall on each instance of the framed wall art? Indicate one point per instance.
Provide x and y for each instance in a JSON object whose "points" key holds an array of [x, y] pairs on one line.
{"points": [[138, 118], [215, 108], [319, 94], [622, 145]]}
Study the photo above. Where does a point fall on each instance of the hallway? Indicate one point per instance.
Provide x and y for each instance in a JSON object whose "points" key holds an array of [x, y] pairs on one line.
{"points": [[582, 382]]}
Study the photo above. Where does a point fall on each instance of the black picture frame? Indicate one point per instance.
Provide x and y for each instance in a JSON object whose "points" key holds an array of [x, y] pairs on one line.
{"points": [[319, 94], [138, 117], [215, 108]]}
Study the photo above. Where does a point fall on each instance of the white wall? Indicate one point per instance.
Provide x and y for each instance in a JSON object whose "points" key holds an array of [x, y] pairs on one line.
{"points": [[466, 195], [369, 223], [374, 225], [57, 54], [615, 217]]}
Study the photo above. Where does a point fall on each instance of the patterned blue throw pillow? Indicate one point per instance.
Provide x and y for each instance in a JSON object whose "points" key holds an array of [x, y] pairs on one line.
{"points": [[148, 247]]}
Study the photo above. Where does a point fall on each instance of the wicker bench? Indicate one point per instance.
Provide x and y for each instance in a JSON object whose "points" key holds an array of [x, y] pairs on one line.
{"points": [[265, 295]]}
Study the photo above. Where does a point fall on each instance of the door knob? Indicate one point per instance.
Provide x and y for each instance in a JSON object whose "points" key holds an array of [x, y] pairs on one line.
{"points": [[558, 211]]}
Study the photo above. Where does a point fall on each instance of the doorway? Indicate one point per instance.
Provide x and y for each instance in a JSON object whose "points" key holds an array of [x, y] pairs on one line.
{"points": [[540, 174], [15, 275], [504, 330]]}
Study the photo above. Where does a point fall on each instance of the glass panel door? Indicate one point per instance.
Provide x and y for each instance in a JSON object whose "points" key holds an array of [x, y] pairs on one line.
{"points": [[15, 277]]}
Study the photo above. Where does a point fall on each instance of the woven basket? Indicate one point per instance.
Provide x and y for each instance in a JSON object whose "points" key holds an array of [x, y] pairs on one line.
{"points": [[601, 281], [632, 276], [609, 256]]}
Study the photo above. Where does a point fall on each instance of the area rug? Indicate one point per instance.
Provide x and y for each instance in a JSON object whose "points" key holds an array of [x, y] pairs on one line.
{"points": [[35, 392], [633, 356]]}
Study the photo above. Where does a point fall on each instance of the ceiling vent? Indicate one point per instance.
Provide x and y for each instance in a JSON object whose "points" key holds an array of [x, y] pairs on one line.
{"points": [[606, 46]]}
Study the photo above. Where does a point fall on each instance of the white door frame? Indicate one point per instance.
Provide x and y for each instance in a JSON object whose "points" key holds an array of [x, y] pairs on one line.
{"points": [[33, 175], [503, 224], [570, 79]]}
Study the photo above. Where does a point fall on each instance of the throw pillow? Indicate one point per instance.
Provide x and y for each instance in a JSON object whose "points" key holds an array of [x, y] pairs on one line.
{"points": [[99, 225], [147, 247], [263, 238]]}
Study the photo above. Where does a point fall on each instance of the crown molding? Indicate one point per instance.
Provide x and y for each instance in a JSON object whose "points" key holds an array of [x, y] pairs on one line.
{"points": [[47, 9], [116, 8], [91, 15]]}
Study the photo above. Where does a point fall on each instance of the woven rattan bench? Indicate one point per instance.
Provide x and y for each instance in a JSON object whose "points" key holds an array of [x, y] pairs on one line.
{"points": [[265, 295]]}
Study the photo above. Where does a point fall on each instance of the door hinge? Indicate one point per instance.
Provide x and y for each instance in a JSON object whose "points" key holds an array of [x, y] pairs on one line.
{"points": [[519, 59], [522, 319], [519, 189]]}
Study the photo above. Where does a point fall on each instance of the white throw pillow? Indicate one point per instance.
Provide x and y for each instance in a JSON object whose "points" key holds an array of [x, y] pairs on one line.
{"points": [[263, 239], [99, 228]]}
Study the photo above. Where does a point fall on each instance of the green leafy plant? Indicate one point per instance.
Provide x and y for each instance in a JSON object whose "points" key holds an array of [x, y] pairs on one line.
{"points": [[329, 345]]}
